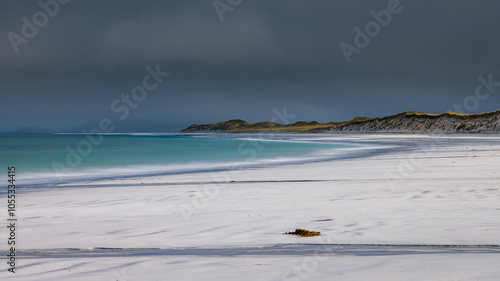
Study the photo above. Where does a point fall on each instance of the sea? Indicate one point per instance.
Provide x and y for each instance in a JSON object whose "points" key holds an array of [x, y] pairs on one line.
{"points": [[52, 159]]}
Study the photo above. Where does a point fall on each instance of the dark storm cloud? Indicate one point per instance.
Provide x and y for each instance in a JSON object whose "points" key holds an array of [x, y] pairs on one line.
{"points": [[443, 34], [265, 54]]}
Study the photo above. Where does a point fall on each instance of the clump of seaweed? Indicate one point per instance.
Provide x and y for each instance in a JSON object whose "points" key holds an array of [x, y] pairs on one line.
{"points": [[304, 233]]}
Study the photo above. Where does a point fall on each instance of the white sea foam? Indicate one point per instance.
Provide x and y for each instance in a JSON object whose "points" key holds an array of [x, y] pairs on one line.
{"points": [[88, 174]]}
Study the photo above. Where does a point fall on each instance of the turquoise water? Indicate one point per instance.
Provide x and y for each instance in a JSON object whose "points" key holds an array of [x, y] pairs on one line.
{"points": [[56, 158]]}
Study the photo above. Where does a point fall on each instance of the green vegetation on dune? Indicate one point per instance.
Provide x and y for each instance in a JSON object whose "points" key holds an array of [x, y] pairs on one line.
{"points": [[405, 121], [240, 126]]}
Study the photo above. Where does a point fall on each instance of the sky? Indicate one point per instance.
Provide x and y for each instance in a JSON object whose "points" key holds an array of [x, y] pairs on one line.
{"points": [[65, 66]]}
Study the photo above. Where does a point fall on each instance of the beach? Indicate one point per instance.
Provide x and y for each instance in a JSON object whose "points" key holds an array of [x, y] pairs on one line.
{"points": [[419, 207]]}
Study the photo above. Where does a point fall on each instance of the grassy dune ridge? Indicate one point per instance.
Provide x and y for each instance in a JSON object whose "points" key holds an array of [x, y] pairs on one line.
{"points": [[409, 121]]}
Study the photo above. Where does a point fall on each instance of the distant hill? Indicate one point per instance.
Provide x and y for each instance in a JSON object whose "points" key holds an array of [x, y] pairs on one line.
{"points": [[405, 122]]}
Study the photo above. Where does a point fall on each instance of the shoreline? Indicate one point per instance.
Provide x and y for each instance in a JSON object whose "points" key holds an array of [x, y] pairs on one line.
{"points": [[442, 192], [355, 150]]}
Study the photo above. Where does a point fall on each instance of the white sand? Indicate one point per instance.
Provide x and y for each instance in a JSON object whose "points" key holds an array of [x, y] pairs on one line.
{"points": [[442, 192]]}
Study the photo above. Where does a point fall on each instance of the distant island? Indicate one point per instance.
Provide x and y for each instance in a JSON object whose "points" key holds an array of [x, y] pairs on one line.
{"points": [[405, 122]]}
